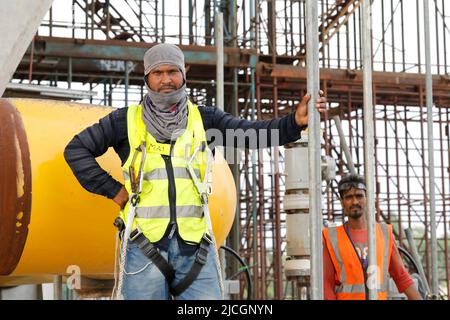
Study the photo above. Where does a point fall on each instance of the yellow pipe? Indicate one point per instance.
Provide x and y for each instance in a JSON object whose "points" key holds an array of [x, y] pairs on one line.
{"points": [[67, 225]]}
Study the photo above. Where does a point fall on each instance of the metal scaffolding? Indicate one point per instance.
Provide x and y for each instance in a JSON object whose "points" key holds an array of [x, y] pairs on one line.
{"points": [[98, 45]]}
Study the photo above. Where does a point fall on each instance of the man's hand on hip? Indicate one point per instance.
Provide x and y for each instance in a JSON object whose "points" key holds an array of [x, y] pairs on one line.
{"points": [[121, 198], [301, 113]]}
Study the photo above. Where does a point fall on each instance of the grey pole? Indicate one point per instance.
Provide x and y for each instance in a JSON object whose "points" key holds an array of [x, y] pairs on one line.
{"points": [[369, 164], [127, 82], [57, 287], [432, 199], [413, 247], [219, 67], [253, 14], [315, 179], [69, 78], [344, 146]]}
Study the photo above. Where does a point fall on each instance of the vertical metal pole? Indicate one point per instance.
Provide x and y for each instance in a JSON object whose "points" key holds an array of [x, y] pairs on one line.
{"points": [[344, 146], [393, 36], [278, 278], [92, 18], [277, 260], [415, 254], [30, 68], [386, 142], [261, 195], [358, 135], [110, 93], [291, 25], [69, 77], [90, 96], [408, 189], [286, 40], [444, 26], [315, 179], [191, 23], [403, 37], [57, 287], [108, 20], [445, 218], [432, 199], [355, 40], [207, 8], [234, 239], [219, 66], [438, 50], [51, 22], [425, 194], [383, 36], [86, 21], [369, 147], [163, 29], [444, 205], [377, 182], [105, 102], [257, 291], [397, 171], [419, 58], [140, 18], [73, 18], [180, 22], [126, 83], [156, 21]]}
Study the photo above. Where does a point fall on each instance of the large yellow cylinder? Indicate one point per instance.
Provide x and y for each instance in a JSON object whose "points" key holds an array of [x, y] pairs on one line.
{"points": [[48, 222]]}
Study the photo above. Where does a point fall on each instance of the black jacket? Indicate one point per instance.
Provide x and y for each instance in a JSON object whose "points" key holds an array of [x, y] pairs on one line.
{"points": [[111, 131]]}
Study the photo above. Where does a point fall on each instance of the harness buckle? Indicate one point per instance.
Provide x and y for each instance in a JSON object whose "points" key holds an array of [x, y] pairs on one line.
{"points": [[137, 232], [150, 251], [202, 253], [207, 237], [201, 256], [204, 198], [135, 199]]}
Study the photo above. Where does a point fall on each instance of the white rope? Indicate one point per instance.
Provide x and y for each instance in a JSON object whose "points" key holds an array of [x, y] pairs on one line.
{"points": [[216, 251], [123, 254], [133, 201], [204, 188], [115, 265]]}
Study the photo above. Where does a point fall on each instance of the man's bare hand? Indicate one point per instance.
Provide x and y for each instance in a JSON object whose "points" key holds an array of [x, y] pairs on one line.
{"points": [[121, 198], [301, 114]]}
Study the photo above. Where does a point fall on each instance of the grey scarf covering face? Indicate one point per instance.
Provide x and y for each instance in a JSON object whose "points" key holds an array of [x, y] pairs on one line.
{"points": [[161, 122]]}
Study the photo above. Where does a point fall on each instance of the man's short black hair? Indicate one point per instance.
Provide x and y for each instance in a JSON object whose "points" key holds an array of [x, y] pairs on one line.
{"points": [[351, 181]]}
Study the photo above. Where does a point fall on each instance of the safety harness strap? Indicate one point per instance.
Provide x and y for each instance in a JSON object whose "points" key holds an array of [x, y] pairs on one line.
{"points": [[152, 252], [200, 261]]}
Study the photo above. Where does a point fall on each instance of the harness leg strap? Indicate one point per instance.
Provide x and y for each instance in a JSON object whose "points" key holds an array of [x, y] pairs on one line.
{"points": [[200, 261], [151, 252]]}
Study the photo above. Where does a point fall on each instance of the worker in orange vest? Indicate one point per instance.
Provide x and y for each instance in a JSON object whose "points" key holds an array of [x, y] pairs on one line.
{"points": [[345, 251]]}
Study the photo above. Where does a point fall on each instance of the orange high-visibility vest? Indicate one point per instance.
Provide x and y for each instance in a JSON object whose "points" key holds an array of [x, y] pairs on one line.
{"points": [[351, 284]]}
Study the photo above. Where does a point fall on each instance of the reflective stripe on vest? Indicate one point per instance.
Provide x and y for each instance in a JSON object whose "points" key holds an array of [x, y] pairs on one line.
{"points": [[334, 243], [352, 286], [164, 212], [386, 255], [161, 173], [153, 211]]}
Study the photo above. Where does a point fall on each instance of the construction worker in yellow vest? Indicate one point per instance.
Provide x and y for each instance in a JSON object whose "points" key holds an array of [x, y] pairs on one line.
{"points": [[345, 251], [162, 143]]}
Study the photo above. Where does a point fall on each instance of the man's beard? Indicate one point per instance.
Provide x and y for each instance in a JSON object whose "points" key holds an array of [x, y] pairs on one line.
{"points": [[355, 212]]}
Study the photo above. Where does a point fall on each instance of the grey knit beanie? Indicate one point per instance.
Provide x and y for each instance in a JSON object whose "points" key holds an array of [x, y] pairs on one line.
{"points": [[164, 53]]}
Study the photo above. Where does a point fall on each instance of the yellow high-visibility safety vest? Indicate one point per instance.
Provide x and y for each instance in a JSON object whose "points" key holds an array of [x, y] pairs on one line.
{"points": [[165, 175]]}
